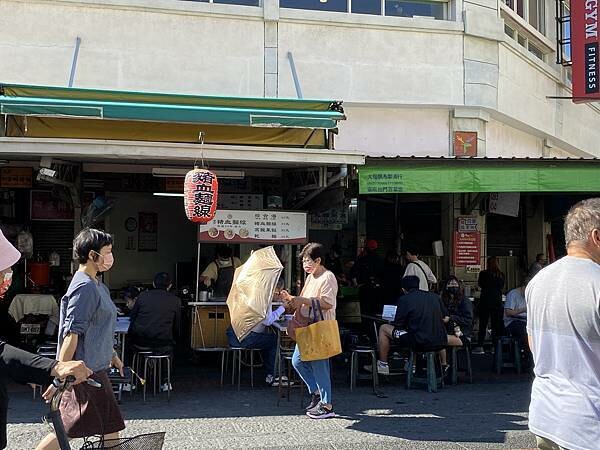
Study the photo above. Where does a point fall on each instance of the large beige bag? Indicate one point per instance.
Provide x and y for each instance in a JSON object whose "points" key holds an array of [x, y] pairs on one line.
{"points": [[320, 340]]}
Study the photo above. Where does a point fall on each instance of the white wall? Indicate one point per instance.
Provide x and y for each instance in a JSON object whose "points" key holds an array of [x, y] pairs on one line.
{"points": [[525, 84], [505, 141], [131, 49], [176, 238], [395, 131], [371, 64]]}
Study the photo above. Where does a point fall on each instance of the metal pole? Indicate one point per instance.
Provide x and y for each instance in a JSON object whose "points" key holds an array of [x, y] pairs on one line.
{"points": [[74, 63], [295, 75]]}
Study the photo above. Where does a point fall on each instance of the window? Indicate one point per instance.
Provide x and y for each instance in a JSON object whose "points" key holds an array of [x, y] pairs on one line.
{"points": [[409, 9], [366, 7], [321, 5], [230, 2], [533, 11], [536, 51], [509, 31], [238, 2]]}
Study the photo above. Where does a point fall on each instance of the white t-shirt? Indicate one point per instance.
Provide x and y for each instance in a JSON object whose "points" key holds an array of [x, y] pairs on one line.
{"points": [[426, 276], [515, 299], [563, 311], [324, 287]]}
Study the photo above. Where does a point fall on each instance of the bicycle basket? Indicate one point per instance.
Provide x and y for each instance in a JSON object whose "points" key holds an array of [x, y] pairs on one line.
{"points": [[151, 441]]}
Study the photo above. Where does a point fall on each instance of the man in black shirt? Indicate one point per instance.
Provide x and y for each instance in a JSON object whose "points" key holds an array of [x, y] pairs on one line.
{"points": [[419, 322], [156, 315]]}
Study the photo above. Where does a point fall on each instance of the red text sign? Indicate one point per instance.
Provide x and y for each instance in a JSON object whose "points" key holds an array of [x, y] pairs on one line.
{"points": [[584, 50]]}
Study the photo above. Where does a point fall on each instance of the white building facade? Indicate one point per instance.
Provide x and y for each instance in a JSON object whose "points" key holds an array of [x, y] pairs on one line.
{"points": [[410, 74]]}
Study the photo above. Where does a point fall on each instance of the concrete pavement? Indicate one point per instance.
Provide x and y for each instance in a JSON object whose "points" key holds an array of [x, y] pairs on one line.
{"points": [[487, 415]]}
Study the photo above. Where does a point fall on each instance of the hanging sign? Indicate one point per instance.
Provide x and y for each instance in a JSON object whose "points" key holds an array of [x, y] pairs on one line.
{"points": [[585, 22], [234, 226], [467, 249], [16, 177], [200, 192]]}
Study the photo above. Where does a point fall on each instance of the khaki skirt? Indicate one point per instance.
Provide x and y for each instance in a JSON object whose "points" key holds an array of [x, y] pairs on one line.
{"points": [[89, 411]]}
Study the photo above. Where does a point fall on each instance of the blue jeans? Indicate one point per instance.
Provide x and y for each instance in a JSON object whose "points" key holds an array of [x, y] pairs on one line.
{"points": [[315, 374], [265, 342]]}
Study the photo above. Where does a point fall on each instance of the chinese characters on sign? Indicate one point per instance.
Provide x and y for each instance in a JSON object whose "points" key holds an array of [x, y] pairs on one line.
{"points": [[384, 183], [201, 190], [467, 249], [467, 224], [16, 177], [255, 226]]}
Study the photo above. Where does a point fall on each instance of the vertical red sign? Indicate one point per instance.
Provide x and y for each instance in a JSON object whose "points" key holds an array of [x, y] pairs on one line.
{"points": [[584, 50]]}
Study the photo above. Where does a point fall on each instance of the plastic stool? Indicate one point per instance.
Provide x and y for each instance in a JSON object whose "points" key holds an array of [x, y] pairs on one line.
{"points": [[454, 365], [431, 379], [354, 366], [513, 346]]}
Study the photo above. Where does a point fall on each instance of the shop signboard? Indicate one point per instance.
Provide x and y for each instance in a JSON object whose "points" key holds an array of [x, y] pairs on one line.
{"points": [[505, 203], [467, 224], [585, 22], [16, 177], [331, 219], [246, 227], [467, 249], [46, 206], [465, 144]]}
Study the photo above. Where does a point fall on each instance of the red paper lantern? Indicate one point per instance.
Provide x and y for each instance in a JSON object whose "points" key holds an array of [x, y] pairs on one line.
{"points": [[200, 191]]}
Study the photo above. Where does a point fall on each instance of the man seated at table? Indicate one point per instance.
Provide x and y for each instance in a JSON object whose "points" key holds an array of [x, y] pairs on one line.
{"points": [[419, 323], [155, 318], [261, 338], [515, 314]]}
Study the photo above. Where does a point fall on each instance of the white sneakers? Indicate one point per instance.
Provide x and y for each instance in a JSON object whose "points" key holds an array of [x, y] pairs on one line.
{"points": [[383, 368]]}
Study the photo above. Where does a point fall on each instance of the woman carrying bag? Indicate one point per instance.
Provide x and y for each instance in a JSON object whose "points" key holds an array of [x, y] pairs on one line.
{"points": [[316, 303]]}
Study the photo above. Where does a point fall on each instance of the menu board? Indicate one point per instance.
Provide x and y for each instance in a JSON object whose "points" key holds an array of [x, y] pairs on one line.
{"points": [[467, 248], [236, 227]]}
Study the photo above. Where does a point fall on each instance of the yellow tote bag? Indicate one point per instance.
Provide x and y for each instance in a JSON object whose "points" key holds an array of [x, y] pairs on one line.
{"points": [[321, 340]]}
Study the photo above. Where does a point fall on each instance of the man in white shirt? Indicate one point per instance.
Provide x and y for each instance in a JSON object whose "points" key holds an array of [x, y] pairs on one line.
{"points": [[418, 268], [563, 323], [515, 314]]}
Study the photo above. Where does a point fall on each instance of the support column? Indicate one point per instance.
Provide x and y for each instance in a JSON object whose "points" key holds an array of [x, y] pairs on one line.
{"points": [[271, 48]]}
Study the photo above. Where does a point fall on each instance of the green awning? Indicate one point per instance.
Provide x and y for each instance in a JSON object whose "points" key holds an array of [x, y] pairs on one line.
{"points": [[165, 108], [468, 176], [58, 112]]}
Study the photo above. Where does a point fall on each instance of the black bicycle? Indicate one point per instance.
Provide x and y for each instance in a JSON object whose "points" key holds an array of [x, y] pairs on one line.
{"points": [[150, 441]]}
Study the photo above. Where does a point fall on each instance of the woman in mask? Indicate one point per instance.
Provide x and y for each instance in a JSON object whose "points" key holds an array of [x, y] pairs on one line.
{"points": [[320, 285], [459, 322], [21, 366], [87, 324]]}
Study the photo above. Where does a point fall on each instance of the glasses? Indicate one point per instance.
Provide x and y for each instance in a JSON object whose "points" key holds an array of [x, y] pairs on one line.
{"points": [[307, 260]]}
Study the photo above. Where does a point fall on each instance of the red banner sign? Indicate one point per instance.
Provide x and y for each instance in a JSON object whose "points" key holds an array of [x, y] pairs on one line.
{"points": [[584, 50], [467, 249]]}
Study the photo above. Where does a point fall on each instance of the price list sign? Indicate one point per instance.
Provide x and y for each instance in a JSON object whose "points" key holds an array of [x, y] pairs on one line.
{"points": [[467, 248], [276, 227]]}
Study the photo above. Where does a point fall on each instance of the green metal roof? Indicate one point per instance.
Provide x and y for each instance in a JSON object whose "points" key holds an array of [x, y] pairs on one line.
{"points": [[43, 101], [466, 176]]}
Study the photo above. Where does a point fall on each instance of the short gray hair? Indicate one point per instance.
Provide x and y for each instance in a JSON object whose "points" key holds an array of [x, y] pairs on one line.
{"points": [[581, 220]]}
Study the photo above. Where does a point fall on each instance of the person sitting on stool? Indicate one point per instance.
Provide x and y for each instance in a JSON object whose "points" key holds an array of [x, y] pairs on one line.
{"points": [[419, 322], [261, 338], [155, 319]]}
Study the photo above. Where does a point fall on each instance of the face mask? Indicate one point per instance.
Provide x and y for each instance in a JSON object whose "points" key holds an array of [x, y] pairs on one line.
{"points": [[6, 282], [105, 262], [453, 290], [308, 265]]}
